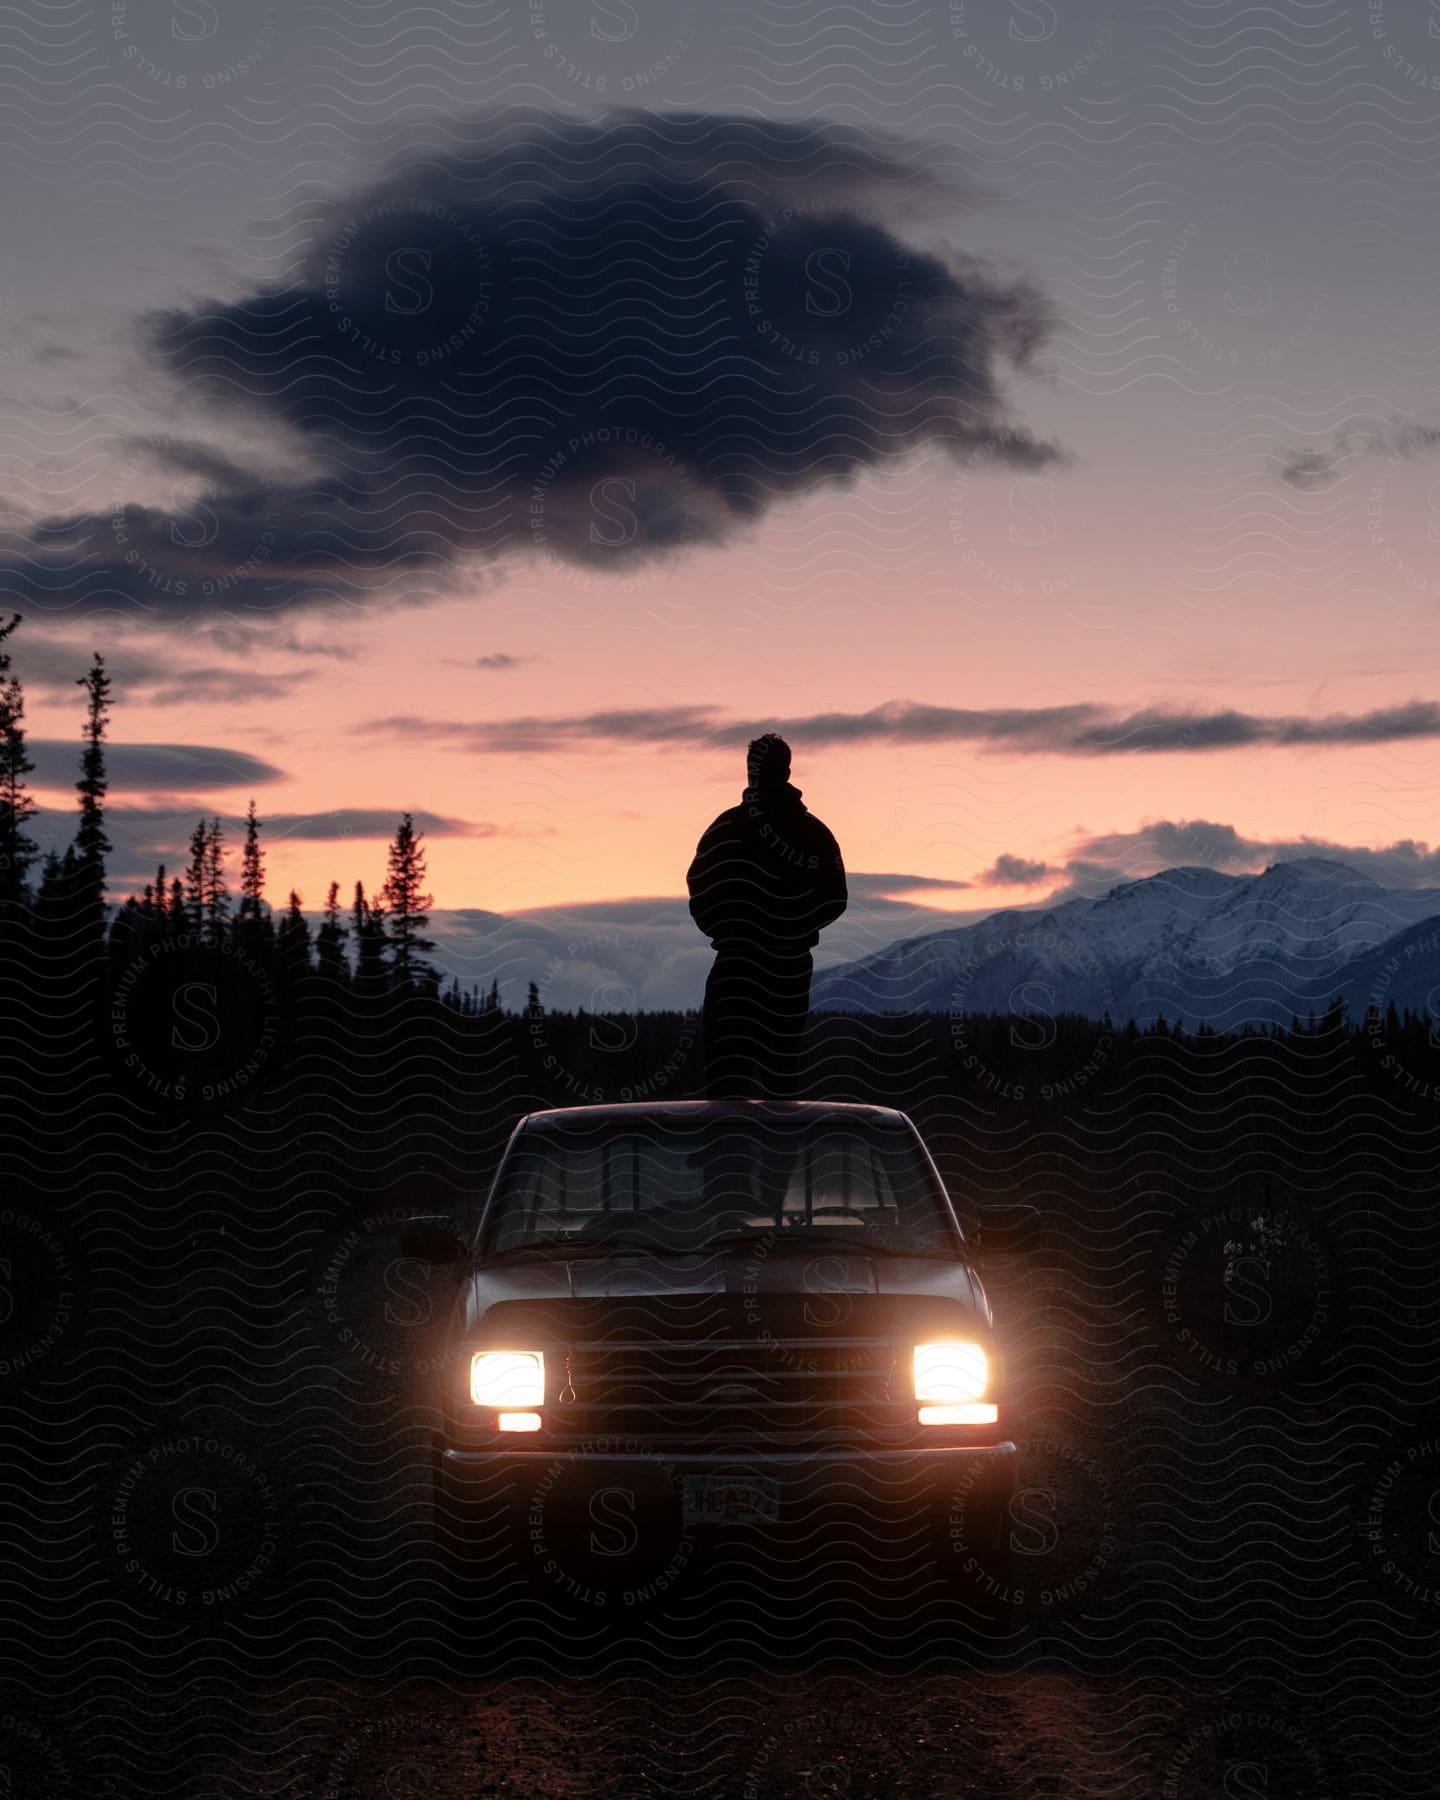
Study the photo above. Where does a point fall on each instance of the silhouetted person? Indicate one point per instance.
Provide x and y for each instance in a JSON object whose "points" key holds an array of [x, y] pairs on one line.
{"points": [[766, 880]]}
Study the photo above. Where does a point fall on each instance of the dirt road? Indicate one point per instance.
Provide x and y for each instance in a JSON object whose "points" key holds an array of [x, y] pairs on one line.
{"points": [[779, 1737]]}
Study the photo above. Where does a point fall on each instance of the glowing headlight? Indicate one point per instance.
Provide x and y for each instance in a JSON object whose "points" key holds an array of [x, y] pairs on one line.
{"points": [[952, 1374], [508, 1378]]}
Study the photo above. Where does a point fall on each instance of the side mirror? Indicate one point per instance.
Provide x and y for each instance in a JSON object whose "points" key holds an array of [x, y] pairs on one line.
{"points": [[1009, 1231], [430, 1238]]}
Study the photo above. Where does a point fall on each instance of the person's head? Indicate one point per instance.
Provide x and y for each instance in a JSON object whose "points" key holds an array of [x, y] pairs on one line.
{"points": [[767, 761]]}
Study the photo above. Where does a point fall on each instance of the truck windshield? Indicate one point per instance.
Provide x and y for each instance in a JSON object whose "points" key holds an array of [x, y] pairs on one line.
{"points": [[684, 1188]]}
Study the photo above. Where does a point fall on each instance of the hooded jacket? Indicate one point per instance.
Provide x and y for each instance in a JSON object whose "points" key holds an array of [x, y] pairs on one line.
{"points": [[767, 874]]}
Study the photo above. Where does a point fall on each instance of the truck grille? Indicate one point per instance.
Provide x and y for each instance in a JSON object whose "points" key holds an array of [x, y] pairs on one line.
{"points": [[719, 1387]]}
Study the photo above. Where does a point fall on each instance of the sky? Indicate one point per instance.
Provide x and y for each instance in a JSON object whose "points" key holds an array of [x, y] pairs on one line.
{"points": [[502, 412]]}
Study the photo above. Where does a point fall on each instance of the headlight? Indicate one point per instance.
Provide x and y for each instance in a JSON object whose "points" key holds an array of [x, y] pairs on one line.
{"points": [[953, 1379], [950, 1373], [508, 1379]]}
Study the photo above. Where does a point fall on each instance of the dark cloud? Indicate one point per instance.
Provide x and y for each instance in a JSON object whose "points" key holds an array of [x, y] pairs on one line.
{"points": [[159, 825], [1159, 729], [1181, 844], [176, 768], [55, 664], [872, 885], [599, 340], [247, 640], [1014, 871], [903, 721], [657, 725], [1080, 730], [498, 660], [1098, 861], [1316, 466], [261, 547], [143, 670], [223, 687]]}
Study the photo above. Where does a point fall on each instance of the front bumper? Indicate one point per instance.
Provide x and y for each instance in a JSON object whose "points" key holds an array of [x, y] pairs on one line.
{"points": [[810, 1485]]}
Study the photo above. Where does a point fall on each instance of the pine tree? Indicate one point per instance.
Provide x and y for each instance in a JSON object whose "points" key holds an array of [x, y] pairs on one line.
{"points": [[216, 893], [533, 1007], [126, 929], [292, 939], [250, 913], [407, 907], [371, 971], [195, 876], [54, 896], [51, 878], [91, 844], [18, 849], [330, 940]]}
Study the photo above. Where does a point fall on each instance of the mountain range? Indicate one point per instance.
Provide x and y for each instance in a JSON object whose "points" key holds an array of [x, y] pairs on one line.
{"points": [[641, 955], [1190, 943]]}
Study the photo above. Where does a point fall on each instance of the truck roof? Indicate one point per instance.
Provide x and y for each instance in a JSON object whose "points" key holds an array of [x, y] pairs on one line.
{"points": [[641, 1112]]}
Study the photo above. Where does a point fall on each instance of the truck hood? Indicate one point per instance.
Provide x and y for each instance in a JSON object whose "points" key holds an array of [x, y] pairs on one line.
{"points": [[742, 1274]]}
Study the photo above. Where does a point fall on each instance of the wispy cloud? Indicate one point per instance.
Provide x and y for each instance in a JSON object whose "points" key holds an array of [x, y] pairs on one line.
{"points": [[144, 669], [214, 686], [171, 768], [271, 638], [320, 827], [659, 725], [1079, 730], [1015, 871], [498, 662], [1317, 465], [871, 884]]}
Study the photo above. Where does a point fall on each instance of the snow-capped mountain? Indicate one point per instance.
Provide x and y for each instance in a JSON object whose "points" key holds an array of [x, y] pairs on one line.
{"points": [[1189, 943], [635, 955]]}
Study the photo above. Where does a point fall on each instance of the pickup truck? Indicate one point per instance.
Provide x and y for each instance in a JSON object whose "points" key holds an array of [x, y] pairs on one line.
{"points": [[690, 1326]]}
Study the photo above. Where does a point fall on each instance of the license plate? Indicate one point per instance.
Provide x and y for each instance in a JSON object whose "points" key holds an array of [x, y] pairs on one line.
{"points": [[723, 1499]]}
